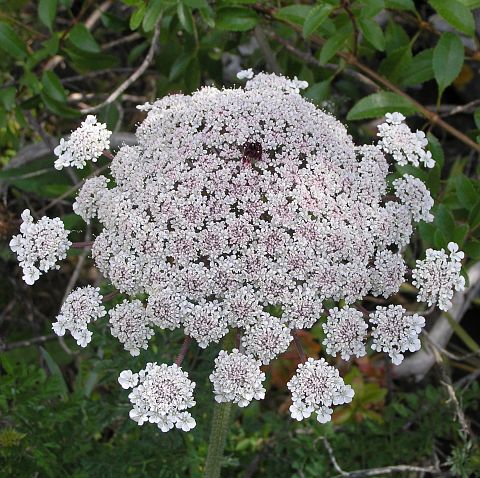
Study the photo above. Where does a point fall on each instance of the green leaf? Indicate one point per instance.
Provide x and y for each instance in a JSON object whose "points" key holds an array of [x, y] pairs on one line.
{"points": [[474, 216], [152, 13], [459, 234], [53, 86], [472, 249], [448, 57], [318, 91], [236, 19], [419, 69], [11, 43], [400, 5], [137, 17], [334, 44], [476, 117], [315, 18], [455, 13], [467, 194], [294, 13], [179, 65], [7, 97], [185, 17], [59, 108], [81, 37], [378, 104], [55, 371], [444, 221], [395, 37], [47, 10], [372, 32], [436, 149], [396, 63]]}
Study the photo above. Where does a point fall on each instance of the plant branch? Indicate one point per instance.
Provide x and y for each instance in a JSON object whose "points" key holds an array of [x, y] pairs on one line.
{"points": [[133, 77], [298, 346], [352, 60]]}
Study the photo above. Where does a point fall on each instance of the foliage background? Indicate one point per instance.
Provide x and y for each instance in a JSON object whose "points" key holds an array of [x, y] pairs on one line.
{"points": [[62, 412]]}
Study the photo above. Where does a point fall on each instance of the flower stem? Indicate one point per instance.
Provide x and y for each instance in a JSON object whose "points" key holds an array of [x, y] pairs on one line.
{"points": [[218, 438], [220, 424], [82, 245]]}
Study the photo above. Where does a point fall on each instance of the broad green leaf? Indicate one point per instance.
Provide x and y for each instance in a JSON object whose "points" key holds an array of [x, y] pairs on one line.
{"points": [[371, 8], [466, 193], [315, 18], [53, 86], [459, 234], [455, 13], [196, 3], [81, 37], [372, 32], [436, 149], [419, 69], [11, 43], [237, 19], [152, 13], [378, 104], [444, 221], [294, 13], [59, 108], [7, 97], [334, 44], [474, 216], [318, 91], [470, 3], [137, 17], [396, 63], [180, 65], [395, 37], [448, 57], [55, 371], [185, 17], [472, 249], [400, 5], [47, 10]]}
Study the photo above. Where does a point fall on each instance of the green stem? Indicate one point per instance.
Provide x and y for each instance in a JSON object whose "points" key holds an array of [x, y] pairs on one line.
{"points": [[222, 413], [218, 438]]}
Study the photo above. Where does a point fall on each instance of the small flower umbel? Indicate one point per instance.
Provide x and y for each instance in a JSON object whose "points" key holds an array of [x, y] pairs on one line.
{"points": [[39, 245], [163, 395], [86, 143], [438, 275], [315, 387]]}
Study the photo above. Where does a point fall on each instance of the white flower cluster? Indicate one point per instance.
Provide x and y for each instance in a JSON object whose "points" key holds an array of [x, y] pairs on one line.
{"points": [[237, 378], [395, 332], [267, 339], [315, 387], [413, 193], [241, 201], [82, 306], [405, 146], [438, 275], [345, 332], [39, 245], [237, 199], [85, 204], [161, 394], [86, 143], [129, 324]]}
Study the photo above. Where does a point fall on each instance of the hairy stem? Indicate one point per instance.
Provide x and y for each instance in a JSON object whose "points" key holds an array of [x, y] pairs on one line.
{"points": [[81, 245], [183, 350], [220, 424], [218, 438]]}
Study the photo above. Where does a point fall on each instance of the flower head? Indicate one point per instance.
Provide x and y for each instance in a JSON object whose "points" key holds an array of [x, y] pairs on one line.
{"points": [[39, 245], [86, 143], [237, 378], [161, 394], [438, 276], [82, 306], [395, 332], [315, 387], [129, 324], [345, 332]]}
